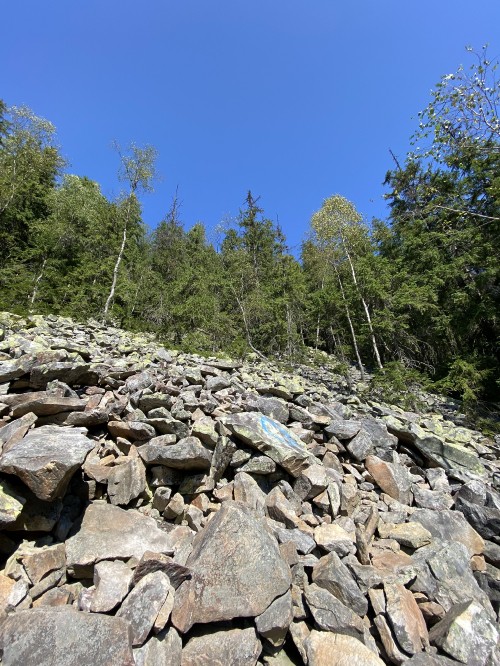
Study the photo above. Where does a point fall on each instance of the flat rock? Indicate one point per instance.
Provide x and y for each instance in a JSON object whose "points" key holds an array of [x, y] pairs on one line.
{"points": [[64, 636], [143, 604], [324, 648], [332, 537], [237, 570], [131, 430], [411, 535], [467, 634], [449, 525], [11, 504], [46, 459], [108, 532], [271, 438], [165, 649], [48, 405], [189, 453], [240, 647]]}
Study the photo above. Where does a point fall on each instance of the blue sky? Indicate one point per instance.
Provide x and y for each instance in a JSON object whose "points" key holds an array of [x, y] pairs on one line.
{"points": [[294, 99]]}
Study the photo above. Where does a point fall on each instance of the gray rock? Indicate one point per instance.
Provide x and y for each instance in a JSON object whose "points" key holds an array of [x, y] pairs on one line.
{"points": [[274, 622], [237, 570], [47, 405], [342, 429], [217, 383], [112, 580], [70, 372], [143, 604], [484, 519], [449, 525], [273, 407], [46, 459], [247, 491], [259, 465], [330, 614], [162, 650], [271, 438], [331, 574], [406, 619], [324, 648], [467, 634], [108, 532], [11, 504], [126, 482], [131, 430], [188, 453], [360, 446], [64, 636], [240, 647], [15, 430]]}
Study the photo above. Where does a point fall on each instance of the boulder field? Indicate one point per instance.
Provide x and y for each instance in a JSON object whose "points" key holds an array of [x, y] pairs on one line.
{"points": [[163, 509]]}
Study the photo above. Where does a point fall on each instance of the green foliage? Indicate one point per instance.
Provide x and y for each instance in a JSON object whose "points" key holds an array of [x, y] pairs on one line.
{"points": [[464, 380], [398, 385]]}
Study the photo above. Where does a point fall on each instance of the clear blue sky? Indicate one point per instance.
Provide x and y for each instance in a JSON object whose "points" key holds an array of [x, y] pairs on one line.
{"points": [[293, 99]]}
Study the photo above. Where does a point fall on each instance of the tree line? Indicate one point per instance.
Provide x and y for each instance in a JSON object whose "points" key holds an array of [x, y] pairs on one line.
{"points": [[417, 294]]}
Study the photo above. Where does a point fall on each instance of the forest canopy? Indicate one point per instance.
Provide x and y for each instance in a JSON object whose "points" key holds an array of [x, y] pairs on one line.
{"points": [[419, 291]]}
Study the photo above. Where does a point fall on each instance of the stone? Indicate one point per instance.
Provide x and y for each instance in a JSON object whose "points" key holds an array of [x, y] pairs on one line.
{"points": [[259, 465], [152, 561], [46, 636], [189, 454], [394, 479], [411, 535], [324, 648], [126, 482], [42, 561], [448, 455], [342, 429], [143, 604], [112, 580], [131, 430], [391, 647], [237, 570], [275, 408], [247, 491], [240, 647], [11, 504], [360, 446], [331, 574], [70, 372], [274, 622], [46, 459], [14, 431], [467, 634], [311, 482], [48, 405], [330, 614], [108, 532], [204, 430], [271, 438], [334, 538], [449, 525], [165, 649], [405, 618], [217, 383]]}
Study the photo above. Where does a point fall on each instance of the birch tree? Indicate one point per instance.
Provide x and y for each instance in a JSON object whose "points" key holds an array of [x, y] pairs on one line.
{"points": [[339, 227], [138, 170]]}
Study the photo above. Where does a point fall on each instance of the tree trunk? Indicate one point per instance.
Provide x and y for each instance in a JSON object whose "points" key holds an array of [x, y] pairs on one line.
{"points": [[118, 262], [35, 286], [365, 307], [351, 327], [247, 329]]}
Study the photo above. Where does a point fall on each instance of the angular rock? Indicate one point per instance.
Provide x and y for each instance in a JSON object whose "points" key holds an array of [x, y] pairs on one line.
{"points": [[271, 438], [324, 648], [165, 649], [189, 453], [15, 430], [411, 535], [330, 614], [108, 532], [143, 604], [48, 405], [126, 482], [467, 634], [448, 455], [274, 622], [240, 647], [64, 636], [361, 445], [151, 562], [449, 525], [131, 430], [11, 504], [112, 580], [394, 479], [42, 561], [237, 570], [406, 619], [334, 538], [247, 492], [46, 459], [331, 574]]}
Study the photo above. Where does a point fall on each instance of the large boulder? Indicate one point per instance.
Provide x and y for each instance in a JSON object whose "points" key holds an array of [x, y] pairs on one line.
{"points": [[46, 459], [237, 570]]}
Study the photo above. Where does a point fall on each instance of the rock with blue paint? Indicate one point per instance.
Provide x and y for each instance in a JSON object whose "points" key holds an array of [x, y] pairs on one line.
{"points": [[273, 439]]}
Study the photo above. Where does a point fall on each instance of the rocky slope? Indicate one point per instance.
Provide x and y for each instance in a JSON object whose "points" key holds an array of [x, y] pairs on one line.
{"points": [[164, 509]]}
